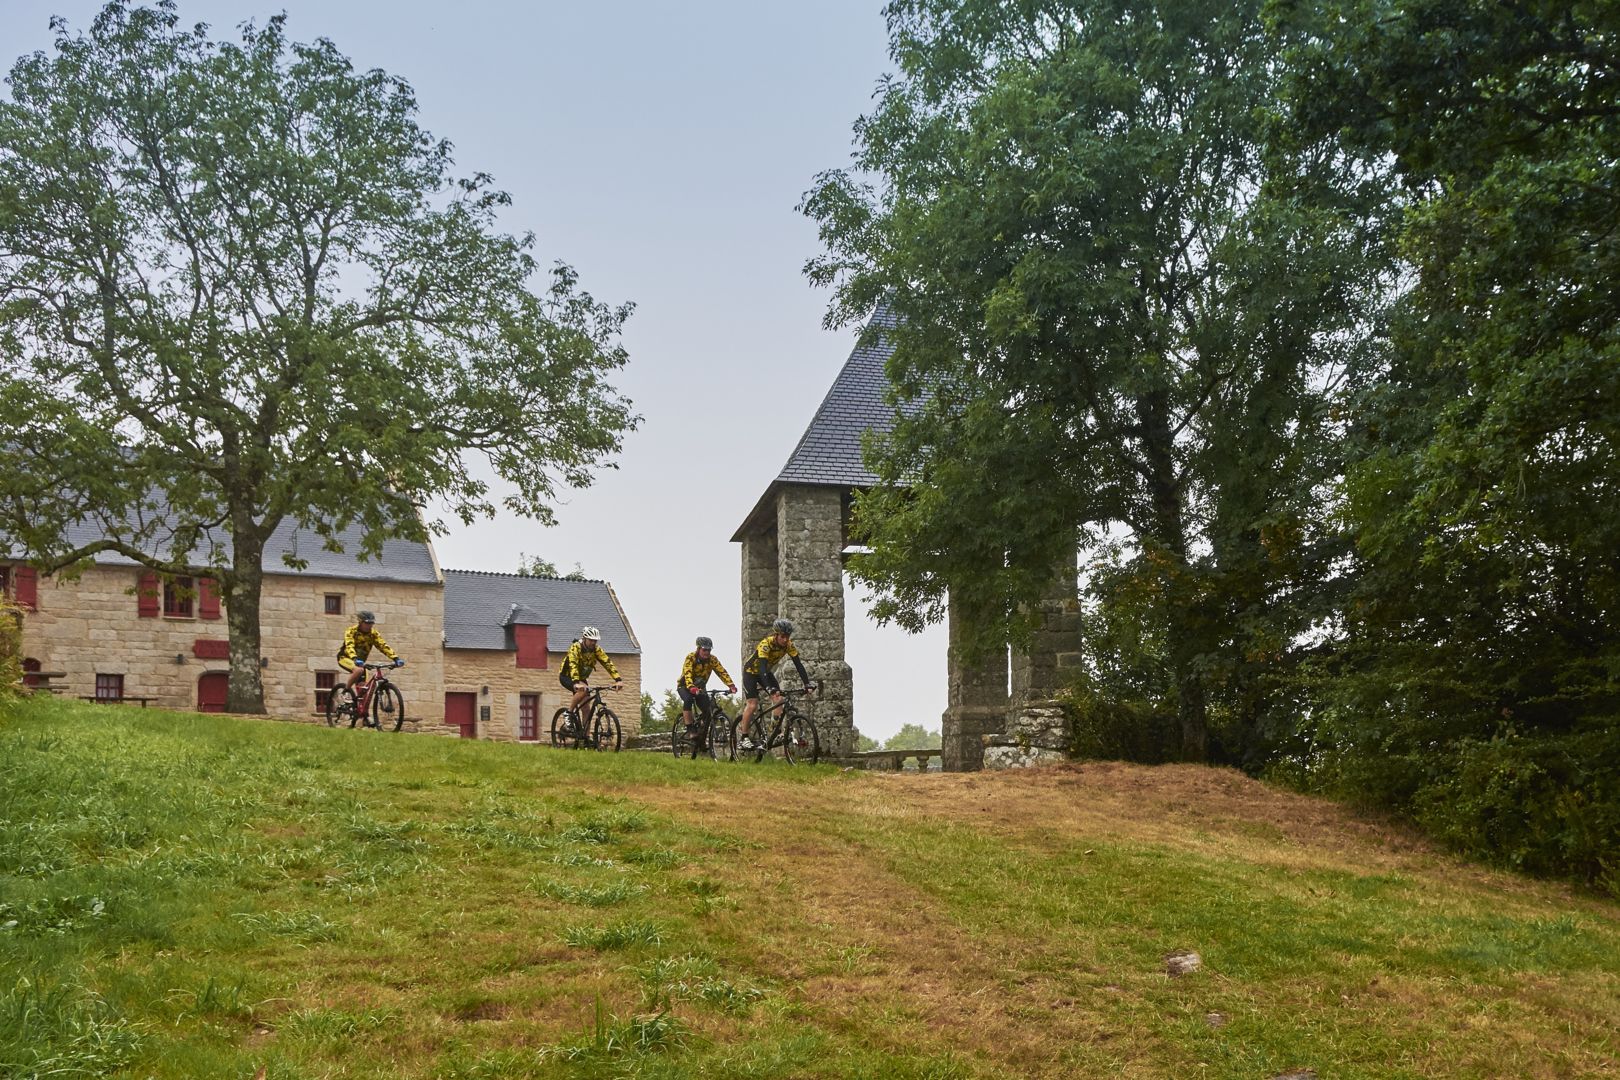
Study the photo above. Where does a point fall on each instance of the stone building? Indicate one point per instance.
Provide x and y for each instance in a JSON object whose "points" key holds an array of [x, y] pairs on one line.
{"points": [[120, 632], [505, 637]]}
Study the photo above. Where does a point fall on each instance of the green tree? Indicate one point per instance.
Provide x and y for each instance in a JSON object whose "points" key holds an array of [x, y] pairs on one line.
{"points": [[864, 743], [649, 717], [1484, 478], [536, 566], [912, 737], [240, 284], [1107, 294]]}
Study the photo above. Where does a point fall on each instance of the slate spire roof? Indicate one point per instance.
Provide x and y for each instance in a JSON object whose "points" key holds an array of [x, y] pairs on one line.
{"points": [[829, 451]]}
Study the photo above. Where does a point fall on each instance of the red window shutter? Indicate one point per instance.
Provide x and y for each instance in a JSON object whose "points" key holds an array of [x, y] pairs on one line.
{"points": [[211, 649], [26, 587], [531, 646], [148, 595], [207, 598]]}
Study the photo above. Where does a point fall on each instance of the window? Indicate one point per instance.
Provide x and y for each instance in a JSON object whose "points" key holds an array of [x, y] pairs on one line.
{"points": [[5, 582], [109, 688], [529, 716], [178, 594], [324, 681], [334, 603]]}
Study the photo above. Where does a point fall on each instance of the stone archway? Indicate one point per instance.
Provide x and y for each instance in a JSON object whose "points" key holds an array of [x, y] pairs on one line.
{"points": [[793, 544]]}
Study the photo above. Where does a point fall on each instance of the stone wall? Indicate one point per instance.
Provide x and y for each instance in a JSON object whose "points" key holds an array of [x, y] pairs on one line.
{"points": [[761, 591], [500, 685], [976, 698], [93, 625], [810, 542], [1037, 730]]}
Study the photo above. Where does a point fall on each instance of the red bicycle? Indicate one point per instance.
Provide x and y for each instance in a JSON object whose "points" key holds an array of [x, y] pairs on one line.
{"points": [[378, 706]]}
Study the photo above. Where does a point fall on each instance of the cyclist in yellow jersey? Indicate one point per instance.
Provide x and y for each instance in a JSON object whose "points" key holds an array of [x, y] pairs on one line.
{"points": [[695, 674], [757, 673], [358, 641], [583, 656]]}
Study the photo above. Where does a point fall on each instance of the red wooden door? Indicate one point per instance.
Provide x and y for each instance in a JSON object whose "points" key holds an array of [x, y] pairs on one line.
{"points": [[462, 710], [211, 691]]}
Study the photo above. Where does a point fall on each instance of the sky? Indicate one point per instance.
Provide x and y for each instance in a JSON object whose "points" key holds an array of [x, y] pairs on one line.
{"points": [[660, 149]]}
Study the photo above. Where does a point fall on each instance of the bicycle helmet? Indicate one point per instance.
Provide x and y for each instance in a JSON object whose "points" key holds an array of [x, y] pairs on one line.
{"points": [[783, 626], [366, 616], [591, 633], [705, 643]]}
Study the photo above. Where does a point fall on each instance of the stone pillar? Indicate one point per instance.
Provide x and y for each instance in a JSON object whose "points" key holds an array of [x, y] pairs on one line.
{"points": [[976, 699], [810, 541], [1037, 728], [761, 594]]}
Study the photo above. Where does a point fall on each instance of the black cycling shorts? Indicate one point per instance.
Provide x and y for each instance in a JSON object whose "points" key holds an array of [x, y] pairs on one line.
{"points": [[566, 679], [753, 684], [687, 697]]}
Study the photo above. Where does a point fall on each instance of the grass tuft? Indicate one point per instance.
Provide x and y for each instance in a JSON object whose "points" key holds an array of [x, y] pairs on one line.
{"points": [[634, 933]]}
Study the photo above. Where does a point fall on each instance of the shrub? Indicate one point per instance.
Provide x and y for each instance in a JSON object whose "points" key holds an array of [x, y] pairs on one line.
{"points": [[10, 650], [1145, 732], [1549, 804]]}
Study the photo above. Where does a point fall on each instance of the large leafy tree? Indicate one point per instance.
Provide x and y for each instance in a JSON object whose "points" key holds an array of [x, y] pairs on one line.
{"points": [[240, 285], [1125, 323], [1485, 478]]}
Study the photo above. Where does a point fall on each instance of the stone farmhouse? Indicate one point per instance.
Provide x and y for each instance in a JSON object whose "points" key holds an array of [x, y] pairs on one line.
{"points": [[483, 650]]}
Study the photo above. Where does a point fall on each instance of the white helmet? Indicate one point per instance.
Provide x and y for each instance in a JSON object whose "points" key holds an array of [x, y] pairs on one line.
{"points": [[590, 633]]}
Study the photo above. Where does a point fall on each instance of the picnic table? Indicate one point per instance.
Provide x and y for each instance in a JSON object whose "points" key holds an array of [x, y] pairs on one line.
{"points": [[116, 700]]}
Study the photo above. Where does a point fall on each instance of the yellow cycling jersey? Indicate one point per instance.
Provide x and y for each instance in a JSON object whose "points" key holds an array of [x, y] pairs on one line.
{"points": [[579, 663], [770, 652], [696, 672], [358, 643]]}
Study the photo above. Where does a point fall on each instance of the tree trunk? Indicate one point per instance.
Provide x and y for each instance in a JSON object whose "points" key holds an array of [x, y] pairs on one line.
{"points": [[1158, 448], [246, 691]]}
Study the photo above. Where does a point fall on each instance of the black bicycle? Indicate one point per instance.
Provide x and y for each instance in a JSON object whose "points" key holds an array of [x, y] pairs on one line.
{"points": [[710, 732], [597, 730], [379, 706], [793, 736]]}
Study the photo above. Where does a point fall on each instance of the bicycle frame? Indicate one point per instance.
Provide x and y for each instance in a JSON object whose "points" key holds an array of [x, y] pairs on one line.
{"points": [[707, 718], [579, 729], [363, 701], [776, 715]]}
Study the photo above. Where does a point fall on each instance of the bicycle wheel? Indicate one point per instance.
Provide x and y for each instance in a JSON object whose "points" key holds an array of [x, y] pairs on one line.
{"points": [[605, 730], [564, 731], [679, 741], [800, 743], [388, 708], [731, 738], [340, 706], [715, 733]]}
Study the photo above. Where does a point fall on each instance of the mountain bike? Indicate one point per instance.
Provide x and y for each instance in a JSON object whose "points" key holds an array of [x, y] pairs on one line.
{"points": [[378, 706], [598, 729], [710, 732], [793, 736]]}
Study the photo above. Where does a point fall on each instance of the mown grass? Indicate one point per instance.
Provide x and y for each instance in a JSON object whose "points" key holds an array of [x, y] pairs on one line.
{"points": [[186, 896]]}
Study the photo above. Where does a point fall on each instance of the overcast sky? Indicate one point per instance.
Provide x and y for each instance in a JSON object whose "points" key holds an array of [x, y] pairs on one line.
{"points": [[660, 149]]}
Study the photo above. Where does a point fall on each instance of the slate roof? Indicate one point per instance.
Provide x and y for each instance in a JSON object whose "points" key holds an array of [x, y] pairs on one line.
{"points": [[480, 608], [400, 560], [829, 451]]}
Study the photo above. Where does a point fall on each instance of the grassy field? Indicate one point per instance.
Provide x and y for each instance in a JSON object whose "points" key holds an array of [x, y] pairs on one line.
{"points": [[188, 896]]}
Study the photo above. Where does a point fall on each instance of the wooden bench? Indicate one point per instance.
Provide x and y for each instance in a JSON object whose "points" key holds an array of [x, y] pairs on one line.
{"points": [[116, 700], [895, 760], [44, 681]]}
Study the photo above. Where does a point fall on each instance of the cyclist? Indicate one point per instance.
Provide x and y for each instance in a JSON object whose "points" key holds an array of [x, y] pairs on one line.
{"points": [[695, 678], [583, 655], [757, 674], [358, 641]]}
